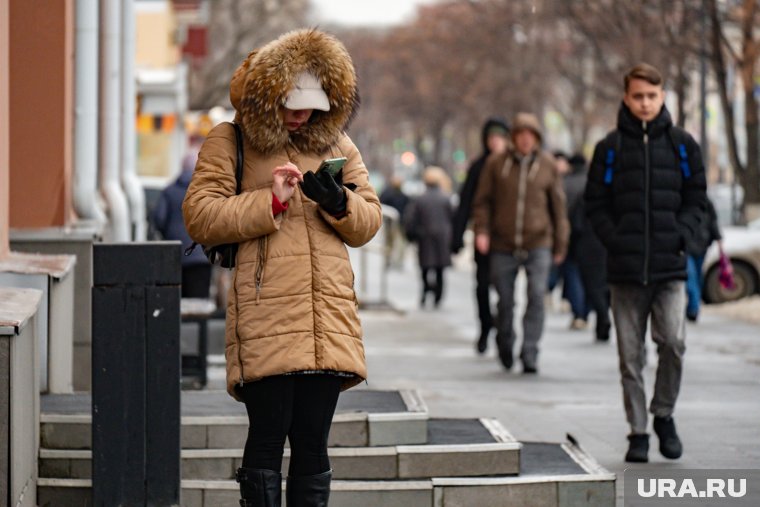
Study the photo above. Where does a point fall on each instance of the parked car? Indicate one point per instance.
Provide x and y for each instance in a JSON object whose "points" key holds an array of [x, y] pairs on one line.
{"points": [[742, 246]]}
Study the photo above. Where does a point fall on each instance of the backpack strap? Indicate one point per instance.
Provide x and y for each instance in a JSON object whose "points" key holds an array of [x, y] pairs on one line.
{"points": [[239, 161], [678, 140], [238, 174], [611, 157]]}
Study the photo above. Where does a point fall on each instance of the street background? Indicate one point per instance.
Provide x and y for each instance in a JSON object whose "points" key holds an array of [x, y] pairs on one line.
{"points": [[577, 390]]}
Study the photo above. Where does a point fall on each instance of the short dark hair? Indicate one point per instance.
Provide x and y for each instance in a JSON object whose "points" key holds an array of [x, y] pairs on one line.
{"points": [[643, 71]]}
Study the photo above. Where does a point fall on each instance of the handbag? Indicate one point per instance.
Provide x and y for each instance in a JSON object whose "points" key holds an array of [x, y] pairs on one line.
{"points": [[224, 255], [726, 272]]}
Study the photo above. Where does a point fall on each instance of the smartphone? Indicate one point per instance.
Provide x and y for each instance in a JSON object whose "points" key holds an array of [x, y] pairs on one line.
{"points": [[332, 165]]}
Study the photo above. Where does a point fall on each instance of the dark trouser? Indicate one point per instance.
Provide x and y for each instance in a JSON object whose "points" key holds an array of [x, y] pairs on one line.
{"points": [[504, 267], [573, 289], [299, 407], [196, 281], [483, 290], [632, 306], [436, 288], [597, 296]]}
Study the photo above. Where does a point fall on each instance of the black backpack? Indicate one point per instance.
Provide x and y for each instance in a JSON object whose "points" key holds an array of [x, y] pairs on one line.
{"points": [[225, 254], [678, 137]]}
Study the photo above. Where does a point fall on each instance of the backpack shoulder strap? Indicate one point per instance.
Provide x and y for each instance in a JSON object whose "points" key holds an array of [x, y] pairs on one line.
{"points": [[238, 175], [678, 138], [611, 157], [239, 161]]}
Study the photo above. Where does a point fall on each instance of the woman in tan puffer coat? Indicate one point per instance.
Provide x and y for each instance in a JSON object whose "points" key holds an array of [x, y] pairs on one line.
{"points": [[293, 337]]}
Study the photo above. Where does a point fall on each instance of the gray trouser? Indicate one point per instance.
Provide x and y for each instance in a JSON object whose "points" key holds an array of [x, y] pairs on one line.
{"points": [[504, 267], [632, 305]]}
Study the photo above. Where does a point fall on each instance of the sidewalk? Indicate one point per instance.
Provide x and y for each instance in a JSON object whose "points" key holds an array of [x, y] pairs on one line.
{"points": [[577, 390]]}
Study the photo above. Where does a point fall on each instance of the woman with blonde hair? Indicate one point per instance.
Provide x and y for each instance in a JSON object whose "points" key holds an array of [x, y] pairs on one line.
{"points": [[428, 222]]}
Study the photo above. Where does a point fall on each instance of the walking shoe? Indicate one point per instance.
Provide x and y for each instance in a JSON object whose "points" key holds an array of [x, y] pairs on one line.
{"points": [[603, 333], [482, 344], [578, 324], [529, 369], [692, 317], [670, 444], [505, 356], [638, 448]]}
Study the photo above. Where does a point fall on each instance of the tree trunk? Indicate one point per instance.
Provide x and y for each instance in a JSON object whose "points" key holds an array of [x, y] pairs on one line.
{"points": [[719, 66], [748, 62]]}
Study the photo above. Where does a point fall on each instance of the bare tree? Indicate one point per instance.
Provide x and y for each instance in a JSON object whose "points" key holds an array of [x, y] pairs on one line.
{"points": [[736, 45], [237, 27]]}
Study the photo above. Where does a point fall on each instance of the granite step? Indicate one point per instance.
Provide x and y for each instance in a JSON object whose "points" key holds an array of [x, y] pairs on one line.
{"points": [[551, 475], [213, 420], [455, 448]]}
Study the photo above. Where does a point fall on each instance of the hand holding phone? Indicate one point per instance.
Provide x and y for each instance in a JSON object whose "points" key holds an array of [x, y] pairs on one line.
{"points": [[322, 188]]}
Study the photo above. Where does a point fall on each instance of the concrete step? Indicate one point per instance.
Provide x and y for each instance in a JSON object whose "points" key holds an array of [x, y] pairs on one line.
{"points": [[458, 447], [213, 420], [551, 475]]}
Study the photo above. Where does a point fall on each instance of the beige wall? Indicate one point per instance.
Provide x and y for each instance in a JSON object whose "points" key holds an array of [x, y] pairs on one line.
{"points": [[41, 94], [155, 35], [4, 128]]}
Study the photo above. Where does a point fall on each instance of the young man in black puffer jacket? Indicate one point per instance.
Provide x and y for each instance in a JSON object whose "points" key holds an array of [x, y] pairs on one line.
{"points": [[645, 199]]}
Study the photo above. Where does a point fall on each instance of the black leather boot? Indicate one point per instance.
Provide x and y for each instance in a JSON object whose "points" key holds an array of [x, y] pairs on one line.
{"points": [[309, 491], [670, 444], [259, 488], [638, 448]]}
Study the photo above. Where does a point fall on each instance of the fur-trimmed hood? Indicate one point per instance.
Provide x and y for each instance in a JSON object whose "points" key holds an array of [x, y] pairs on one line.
{"points": [[262, 82]]}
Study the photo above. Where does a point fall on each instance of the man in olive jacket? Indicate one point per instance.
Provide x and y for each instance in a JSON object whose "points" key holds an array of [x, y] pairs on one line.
{"points": [[520, 218], [645, 199]]}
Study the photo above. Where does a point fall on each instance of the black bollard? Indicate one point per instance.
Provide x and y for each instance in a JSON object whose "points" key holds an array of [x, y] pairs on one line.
{"points": [[136, 374]]}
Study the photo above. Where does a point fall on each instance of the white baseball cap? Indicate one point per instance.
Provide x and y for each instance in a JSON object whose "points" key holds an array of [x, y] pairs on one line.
{"points": [[307, 94]]}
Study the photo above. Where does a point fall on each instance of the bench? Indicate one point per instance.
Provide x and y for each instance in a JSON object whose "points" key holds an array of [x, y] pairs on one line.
{"points": [[198, 311]]}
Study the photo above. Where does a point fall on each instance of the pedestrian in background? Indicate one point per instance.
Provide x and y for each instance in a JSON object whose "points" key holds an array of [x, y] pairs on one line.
{"points": [[520, 219], [166, 218], [573, 173], [393, 195], [707, 232], [495, 137], [645, 199], [293, 339], [589, 255], [428, 222]]}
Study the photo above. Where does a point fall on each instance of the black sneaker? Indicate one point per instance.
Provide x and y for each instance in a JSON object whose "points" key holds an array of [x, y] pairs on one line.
{"points": [[482, 344], [638, 448], [529, 368], [670, 444], [505, 356]]}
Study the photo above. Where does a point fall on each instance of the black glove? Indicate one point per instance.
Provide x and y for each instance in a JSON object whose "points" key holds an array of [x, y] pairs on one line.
{"points": [[322, 189]]}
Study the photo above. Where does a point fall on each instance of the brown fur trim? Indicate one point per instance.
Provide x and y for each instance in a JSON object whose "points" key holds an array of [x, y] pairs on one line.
{"points": [[261, 85]]}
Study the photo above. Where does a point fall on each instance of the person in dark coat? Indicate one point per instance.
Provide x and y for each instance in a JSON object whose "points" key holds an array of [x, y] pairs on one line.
{"points": [[495, 138], [428, 222], [394, 196], [167, 220], [573, 290], [589, 256], [696, 249], [645, 199]]}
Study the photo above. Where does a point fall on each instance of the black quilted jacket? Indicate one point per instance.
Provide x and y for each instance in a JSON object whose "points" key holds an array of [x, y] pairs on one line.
{"points": [[644, 206]]}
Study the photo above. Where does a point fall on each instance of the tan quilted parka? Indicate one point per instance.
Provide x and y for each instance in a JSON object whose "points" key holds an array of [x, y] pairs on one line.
{"points": [[291, 306]]}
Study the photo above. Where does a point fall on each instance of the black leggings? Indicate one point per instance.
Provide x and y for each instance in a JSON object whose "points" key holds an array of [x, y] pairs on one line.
{"points": [[299, 407]]}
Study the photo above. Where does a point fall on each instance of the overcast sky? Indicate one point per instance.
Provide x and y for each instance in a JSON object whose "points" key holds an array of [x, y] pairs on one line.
{"points": [[365, 12]]}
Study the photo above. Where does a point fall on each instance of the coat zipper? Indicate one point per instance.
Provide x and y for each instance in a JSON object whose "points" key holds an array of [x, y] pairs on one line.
{"points": [[646, 204], [259, 279], [520, 219]]}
